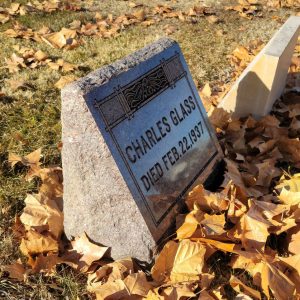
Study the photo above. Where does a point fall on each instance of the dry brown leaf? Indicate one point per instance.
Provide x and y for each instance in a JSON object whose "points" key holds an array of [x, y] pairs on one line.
{"points": [[51, 183], [289, 190], [213, 225], [148, 22], [206, 91], [16, 271], [219, 117], [290, 149], [135, 285], [179, 262], [266, 172], [169, 29], [4, 18], [41, 211], [64, 80], [213, 19], [15, 63], [36, 243], [241, 53], [294, 245], [132, 4], [236, 208], [164, 262], [175, 291], [63, 65], [236, 284], [30, 160], [14, 7], [17, 84], [89, 252], [63, 38], [40, 55], [190, 225], [252, 229], [116, 288], [140, 15], [55, 40], [280, 285], [292, 261], [234, 174], [204, 295], [207, 201], [117, 270], [46, 263], [226, 247], [77, 23]]}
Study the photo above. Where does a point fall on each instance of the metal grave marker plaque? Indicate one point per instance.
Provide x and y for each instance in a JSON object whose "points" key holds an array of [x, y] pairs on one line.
{"points": [[156, 128]]}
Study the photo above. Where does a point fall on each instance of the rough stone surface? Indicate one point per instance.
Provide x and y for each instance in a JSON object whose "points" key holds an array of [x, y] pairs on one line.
{"points": [[263, 81], [108, 110], [105, 209]]}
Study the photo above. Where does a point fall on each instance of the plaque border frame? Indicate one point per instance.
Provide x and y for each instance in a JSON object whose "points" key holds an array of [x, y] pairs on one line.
{"points": [[129, 114]]}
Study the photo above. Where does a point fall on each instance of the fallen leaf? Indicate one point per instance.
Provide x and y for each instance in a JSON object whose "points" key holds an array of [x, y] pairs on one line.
{"points": [[289, 190], [36, 243], [212, 19], [63, 65], [17, 84], [252, 229], [294, 245], [111, 272], [164, 262], [140, 15], [207, 201], [293, 262], [175, 291], [241, 53], [169, 29], [206, 91], [30, 160], [4, 18], [236, 284], [179, 262], [89, 252], [16, 271], [63, 38], [280, 285], [40, 211], [46, 263], [64, 80], [40, 55]]}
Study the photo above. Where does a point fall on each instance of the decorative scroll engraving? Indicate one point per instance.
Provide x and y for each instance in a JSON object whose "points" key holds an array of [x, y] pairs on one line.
{"points": [[173, 69], [111, 109], [145, 88], [126, 100]]}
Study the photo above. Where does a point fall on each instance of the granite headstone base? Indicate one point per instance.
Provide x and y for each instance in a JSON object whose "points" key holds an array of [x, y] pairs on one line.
{"points": [[96, 197], [120, 195]]}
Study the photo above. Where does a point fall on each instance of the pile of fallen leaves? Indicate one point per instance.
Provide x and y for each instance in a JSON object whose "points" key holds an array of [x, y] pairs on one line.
{"points": [[15, 9], [110, 26], [29, 58], [241, 241], [253, 220]]}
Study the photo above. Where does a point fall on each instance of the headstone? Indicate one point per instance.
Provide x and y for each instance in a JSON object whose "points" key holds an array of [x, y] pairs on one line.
{"points": [[263, 81], [136, 138]]}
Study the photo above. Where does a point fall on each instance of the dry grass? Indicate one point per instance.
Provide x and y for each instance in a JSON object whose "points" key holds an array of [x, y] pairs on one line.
{"points": [[34, 113]]}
